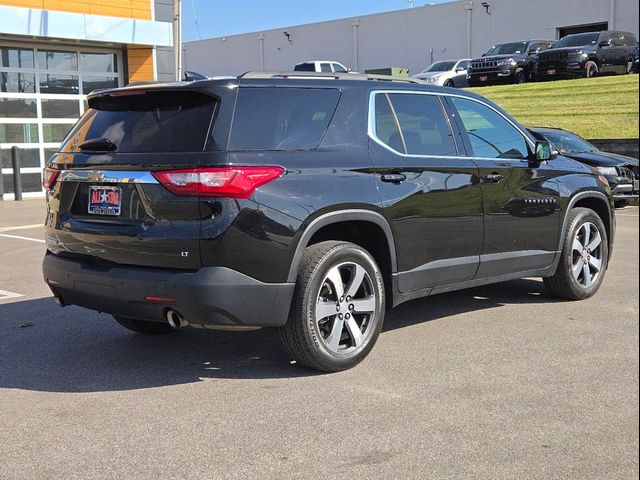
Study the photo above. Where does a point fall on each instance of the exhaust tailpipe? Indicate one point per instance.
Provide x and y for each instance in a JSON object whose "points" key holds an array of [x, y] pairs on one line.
{"points": [[175, 319]]}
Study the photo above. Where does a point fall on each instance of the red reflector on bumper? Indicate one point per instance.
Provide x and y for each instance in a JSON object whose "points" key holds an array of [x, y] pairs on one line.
{"points": [[152, 298]]}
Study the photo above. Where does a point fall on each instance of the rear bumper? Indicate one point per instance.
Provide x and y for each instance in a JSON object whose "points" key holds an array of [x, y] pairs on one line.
{"points": [[209, 296]]}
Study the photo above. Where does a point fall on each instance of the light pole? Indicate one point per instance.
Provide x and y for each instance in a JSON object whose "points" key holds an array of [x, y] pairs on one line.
{"points": [[177, 37]]}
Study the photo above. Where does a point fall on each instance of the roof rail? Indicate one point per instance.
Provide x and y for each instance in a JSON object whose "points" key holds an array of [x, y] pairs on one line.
{"points": [[259, 75]]}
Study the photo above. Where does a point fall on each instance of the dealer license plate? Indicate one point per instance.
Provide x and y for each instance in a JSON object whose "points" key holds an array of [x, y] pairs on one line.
{"points": [[105, 200]]}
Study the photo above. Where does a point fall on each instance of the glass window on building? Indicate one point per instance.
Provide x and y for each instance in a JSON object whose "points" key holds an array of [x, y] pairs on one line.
{"points": [[43, 92]]}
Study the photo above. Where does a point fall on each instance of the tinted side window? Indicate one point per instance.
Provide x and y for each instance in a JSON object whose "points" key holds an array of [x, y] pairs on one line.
{"points": [[491, 136], [305, 67], [414, 124], [339, 68], [386, 126], [464, 64], [618, 40], [282, 118], [325, 67]]}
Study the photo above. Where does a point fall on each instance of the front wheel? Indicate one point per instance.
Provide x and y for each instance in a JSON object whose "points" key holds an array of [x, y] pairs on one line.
{"points": [[449, 83], [520, 77], [584, 258], [338, 307], [591, 69]]}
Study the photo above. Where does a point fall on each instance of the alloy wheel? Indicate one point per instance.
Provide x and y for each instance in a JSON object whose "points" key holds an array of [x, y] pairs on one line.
{"points": [[586, 254], [345, 309]]}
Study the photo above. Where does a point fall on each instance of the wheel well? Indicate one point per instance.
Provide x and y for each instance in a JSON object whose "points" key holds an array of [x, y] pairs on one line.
{"points": [[365, 234], [600, 207]]}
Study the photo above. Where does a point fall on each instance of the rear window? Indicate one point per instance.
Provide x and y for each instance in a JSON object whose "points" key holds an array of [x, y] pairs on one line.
{"points": [[149, 123], [282, 118], [305, 67]]}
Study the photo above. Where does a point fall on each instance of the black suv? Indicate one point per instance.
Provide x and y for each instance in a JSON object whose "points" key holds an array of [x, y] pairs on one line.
{"points": [[635, 59], [620, 171], [309, 202], [506, 63], [587, 55]]}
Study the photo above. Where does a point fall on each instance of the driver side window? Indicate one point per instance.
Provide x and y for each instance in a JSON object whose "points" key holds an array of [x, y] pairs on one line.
{"points": [[490, 135]]}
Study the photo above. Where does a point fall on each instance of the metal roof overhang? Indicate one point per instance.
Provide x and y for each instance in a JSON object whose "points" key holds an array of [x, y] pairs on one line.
{"points": [[84, 27]]}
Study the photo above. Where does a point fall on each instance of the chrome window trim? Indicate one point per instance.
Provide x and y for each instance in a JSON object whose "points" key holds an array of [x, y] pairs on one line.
{"points": [[371, 129], [107, 176]]}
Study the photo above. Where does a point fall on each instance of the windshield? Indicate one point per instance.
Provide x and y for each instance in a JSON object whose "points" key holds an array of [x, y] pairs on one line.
{"points": [[439, 67], [508, 48], [567, 142], [578, 40]]}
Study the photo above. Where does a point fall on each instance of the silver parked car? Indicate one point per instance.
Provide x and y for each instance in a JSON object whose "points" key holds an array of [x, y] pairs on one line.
{"points": [[447, 73]]}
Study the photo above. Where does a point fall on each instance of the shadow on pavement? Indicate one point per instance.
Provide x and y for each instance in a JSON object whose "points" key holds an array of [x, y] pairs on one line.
{"points": [[46, 348]]}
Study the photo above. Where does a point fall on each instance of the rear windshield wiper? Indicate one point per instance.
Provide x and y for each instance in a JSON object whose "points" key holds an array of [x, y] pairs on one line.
{"points": [[102, 144]]}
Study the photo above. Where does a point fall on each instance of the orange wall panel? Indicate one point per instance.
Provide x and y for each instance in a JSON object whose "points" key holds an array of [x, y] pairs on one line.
{"points": [[140, 64], [138, 9]]}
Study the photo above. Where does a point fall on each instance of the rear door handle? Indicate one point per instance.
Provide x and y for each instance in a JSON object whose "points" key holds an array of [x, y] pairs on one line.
{"points": [[393, 177], [493, 178]]}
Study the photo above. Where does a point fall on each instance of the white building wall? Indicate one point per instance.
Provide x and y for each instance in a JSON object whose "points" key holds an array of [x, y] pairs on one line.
{"points": [[405, 38]]}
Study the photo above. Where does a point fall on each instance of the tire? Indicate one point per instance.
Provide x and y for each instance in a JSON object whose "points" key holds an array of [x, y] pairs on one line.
{"points": [[520, 77], [449, 83], [580, 271], [317, 334], [591, 69], [628, 67], [144, 326]]}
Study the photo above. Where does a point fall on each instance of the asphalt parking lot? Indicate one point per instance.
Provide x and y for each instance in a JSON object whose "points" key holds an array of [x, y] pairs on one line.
{"points": [[497, 382]]}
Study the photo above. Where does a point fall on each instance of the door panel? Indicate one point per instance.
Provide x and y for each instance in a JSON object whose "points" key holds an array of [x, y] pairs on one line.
{"points": [[431, 198], [521, 209]]}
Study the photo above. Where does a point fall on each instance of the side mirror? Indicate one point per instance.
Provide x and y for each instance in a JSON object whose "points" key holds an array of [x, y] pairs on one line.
{"points": [[545, 151], [605, 43], [460, 69]]}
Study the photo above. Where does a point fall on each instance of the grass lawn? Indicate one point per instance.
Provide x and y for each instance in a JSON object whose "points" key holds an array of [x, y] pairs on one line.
{"points": [[594, 108]]}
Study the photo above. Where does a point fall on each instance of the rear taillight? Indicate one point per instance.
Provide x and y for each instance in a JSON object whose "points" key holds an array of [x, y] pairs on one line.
{"points": [[231, 182], [49, 177]]}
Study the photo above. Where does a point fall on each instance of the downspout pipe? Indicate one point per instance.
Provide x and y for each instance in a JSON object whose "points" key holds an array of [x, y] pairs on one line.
{"points": [[469, 8]]}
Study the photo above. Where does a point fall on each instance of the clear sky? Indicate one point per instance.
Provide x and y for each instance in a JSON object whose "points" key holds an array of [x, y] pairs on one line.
{"points": [[217, 18]]}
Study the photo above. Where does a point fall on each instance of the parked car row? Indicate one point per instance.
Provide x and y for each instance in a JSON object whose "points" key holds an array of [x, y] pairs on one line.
{"points": [[578, 55]]}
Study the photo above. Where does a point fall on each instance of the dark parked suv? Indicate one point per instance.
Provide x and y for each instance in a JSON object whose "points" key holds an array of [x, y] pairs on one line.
{"points": [[309, 202], [587, 55], [506, 63]]}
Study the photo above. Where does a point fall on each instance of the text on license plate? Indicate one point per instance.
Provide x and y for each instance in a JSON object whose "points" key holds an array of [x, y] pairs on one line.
{"points": [[551, 71], [484, 78], [105, 200]]}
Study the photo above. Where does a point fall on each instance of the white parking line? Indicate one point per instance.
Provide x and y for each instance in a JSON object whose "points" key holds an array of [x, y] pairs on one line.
{"points": [[4, 294], [20, 227], [22, 238]]}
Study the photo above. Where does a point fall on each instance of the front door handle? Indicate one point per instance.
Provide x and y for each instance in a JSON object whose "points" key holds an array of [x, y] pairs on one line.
{"points": [[393, 177], [493, 178]]}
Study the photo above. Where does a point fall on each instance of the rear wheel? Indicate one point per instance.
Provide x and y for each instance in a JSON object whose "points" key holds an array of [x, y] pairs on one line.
{"points": [[338, 307], [144, 326], [449, 83], [591, 69], [628, 67], [584, 258]]}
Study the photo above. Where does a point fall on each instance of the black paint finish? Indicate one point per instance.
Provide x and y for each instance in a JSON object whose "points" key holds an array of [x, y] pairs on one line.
{"points": [[436, 223]]}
